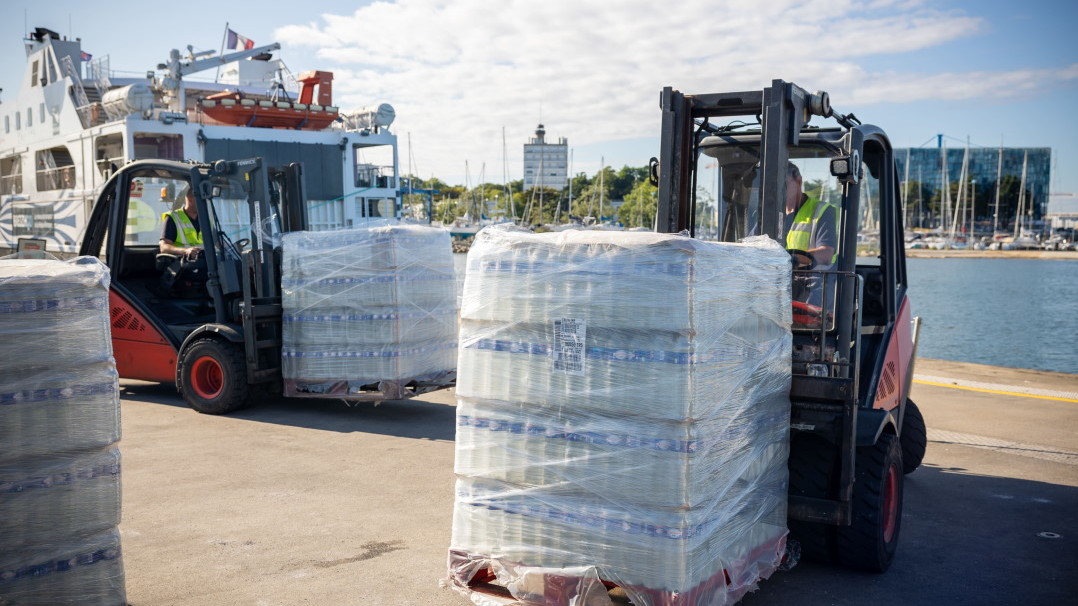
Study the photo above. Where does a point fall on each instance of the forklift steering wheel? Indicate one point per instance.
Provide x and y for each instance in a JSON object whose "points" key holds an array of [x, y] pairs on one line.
{"points": [[803, 260]]}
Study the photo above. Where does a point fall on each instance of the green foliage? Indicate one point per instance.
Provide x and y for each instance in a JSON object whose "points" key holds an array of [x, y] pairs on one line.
{"points": [[640, 205], [623, 182]]}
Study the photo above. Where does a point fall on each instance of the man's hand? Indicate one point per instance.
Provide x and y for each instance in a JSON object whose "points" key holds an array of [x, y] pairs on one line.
{"points": [[192, 253]]}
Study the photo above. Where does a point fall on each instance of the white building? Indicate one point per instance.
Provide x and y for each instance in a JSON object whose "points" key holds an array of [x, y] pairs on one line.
{"points": [[546, 164]]}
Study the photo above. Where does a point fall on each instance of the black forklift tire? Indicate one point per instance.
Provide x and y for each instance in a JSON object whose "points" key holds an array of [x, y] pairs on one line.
{"points": [[213, 377], [869, 542], [914, 438], [812, 474]]}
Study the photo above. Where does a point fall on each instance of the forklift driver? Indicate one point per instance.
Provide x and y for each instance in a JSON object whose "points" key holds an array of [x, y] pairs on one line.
{"points": [[810, 224], [182, 225]]}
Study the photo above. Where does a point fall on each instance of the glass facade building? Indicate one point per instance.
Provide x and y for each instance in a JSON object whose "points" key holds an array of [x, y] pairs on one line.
{"points": [[923, 172]]}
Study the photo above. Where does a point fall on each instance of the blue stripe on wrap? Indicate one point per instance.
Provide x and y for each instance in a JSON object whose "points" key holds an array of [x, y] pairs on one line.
{"points": [[57, 393], [584, 268], [290, 352], [60, 479], [46, 568], [426, 277], [590, 437], [367, 317], [36, 305], [612, 354], [598, 522]]}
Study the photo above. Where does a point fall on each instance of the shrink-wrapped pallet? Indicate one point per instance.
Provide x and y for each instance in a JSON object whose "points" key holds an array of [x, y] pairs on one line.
{"points": [[59, 424], [368, 312], [622, 416]]}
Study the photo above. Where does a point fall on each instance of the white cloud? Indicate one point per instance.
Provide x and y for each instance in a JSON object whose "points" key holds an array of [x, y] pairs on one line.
{"points": [[459, 71], [980, 85]]}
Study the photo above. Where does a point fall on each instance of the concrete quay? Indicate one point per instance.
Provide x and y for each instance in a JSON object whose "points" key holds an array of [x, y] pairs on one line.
{"points": [[315, 502]]}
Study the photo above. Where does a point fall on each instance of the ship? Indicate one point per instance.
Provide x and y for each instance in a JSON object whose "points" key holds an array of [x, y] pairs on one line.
{"points": [[75, 121]]}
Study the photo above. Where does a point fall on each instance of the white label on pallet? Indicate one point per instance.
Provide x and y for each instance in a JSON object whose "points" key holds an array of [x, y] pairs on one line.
{"points": [[569, 337]]}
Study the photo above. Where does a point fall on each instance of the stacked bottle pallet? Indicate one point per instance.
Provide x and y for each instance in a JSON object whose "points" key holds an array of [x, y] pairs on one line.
{"points": [[366, 307], [59, 427], [622, 416]]}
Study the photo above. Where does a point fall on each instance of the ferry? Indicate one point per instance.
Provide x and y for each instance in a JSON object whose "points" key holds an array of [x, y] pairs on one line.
{"points": [[74, 122]]}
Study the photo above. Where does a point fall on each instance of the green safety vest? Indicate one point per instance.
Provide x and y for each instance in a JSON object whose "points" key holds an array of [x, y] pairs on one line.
{"points": [[800, 234], [185, 231]]}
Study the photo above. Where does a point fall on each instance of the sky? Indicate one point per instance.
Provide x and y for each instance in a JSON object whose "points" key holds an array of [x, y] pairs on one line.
{"points": [[460, 73]]}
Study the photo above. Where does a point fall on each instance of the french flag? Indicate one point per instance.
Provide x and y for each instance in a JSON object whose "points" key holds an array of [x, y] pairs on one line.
{"points": [[239, 42]]}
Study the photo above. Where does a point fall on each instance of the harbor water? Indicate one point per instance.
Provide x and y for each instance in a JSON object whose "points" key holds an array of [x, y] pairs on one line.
{"points": [[1020, 313]]}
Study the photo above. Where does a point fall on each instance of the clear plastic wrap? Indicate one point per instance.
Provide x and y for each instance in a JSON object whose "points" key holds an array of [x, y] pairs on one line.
{"points": [[368, 312], [59, 423], [622, 417]]}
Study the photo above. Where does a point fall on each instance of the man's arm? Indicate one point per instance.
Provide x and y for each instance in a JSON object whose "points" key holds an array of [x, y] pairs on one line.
{"points": [[826, 238]]}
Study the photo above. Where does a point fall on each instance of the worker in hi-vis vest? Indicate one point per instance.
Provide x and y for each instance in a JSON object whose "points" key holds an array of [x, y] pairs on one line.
{"points": [[811, 225], [181, 235]]}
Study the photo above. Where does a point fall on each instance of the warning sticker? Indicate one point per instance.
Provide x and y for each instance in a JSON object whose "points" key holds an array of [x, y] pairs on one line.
{"points": [[569, 346]]}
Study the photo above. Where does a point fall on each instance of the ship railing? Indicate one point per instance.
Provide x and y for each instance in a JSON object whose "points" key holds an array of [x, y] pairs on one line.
{"points": [[369, 175], [11, 184], [62, 177], [93, 114]]}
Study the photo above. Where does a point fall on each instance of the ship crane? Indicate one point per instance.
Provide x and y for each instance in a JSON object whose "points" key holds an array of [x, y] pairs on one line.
{"points": [[178, 67]]}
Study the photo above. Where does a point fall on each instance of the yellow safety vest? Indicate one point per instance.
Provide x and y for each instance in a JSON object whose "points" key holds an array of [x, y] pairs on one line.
{"points": [[185, 230], [800, 234]]}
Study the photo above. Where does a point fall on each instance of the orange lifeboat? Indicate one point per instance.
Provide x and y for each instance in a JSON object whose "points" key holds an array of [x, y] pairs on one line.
{"points": [[308, 113]]}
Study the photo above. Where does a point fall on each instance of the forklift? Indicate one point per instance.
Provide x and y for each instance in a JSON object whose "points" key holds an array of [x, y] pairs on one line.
{"points": [[722, 174], [211, 324]]}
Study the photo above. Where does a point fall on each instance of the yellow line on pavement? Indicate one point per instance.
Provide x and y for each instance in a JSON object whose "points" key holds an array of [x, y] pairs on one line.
{"points": [[1002, 393]]}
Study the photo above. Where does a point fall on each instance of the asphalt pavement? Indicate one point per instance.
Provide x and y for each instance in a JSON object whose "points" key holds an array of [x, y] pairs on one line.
{"points": [[317, 502]]}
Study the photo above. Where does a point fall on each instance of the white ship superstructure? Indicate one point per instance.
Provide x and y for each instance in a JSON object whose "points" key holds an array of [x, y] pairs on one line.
{"points": [[74, 122]]}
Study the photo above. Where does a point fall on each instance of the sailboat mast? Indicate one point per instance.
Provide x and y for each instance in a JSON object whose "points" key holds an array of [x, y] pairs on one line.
{"points": [[945, 190], [920, 198], [602, 170], [505, 180], [961, 198], [999, 178], [1021, 198], [906, 189], [569, 207]]}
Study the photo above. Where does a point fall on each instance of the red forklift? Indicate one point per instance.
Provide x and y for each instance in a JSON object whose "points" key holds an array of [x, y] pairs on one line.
{"points": [[211, 324], [722, 175]]}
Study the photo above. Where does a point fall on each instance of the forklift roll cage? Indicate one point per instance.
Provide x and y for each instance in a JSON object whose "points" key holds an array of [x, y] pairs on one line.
{"points": [[844, 405], [241, 282]]}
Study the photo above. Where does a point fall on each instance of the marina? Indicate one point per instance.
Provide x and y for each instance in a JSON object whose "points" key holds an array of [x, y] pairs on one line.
{"points": [[324, 503]]}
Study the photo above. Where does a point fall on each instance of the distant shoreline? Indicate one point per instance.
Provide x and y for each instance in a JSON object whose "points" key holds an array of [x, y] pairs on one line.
{"points": [[928, 253], [922, 253]]}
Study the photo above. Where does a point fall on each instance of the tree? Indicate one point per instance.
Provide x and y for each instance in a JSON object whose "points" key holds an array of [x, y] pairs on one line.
{"points": [[639, 206], [540, 205], [588, 202], [623, 181]]}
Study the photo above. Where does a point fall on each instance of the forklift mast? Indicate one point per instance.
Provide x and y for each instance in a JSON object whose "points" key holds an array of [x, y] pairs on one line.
{"points": [[752, 137]]}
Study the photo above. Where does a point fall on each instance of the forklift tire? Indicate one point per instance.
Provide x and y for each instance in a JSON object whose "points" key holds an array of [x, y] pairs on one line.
{"points": [[812, 474], [914, 438], [213, 377], [869, 542]]}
